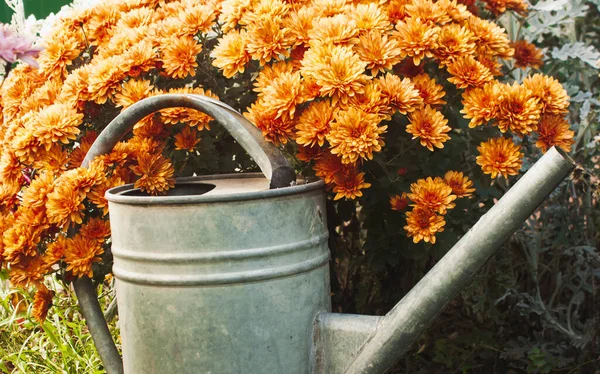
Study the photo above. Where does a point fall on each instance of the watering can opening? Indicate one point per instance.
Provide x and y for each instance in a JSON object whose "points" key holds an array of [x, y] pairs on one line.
{"points": [[212, 188], [180, 189]]}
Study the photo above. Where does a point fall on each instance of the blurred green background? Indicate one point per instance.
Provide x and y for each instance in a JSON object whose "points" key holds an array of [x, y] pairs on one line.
{"points": [[39, 8]]}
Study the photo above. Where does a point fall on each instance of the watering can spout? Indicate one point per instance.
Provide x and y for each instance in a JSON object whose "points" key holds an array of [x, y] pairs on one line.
{"points": [[370, 345]]}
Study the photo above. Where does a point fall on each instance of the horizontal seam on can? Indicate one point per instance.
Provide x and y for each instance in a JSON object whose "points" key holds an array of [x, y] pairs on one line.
{"points": [[216, 256], [220, 279]]}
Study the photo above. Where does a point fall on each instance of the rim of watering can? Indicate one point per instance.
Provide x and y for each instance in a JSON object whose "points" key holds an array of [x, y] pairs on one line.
{"points": [[116, 194]]}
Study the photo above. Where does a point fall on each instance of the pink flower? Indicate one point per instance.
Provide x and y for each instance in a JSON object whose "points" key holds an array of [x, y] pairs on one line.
{"points": [[15, 47]]}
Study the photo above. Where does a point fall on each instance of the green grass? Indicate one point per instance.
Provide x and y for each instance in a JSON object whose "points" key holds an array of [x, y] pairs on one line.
{"points": [[62, 344]]}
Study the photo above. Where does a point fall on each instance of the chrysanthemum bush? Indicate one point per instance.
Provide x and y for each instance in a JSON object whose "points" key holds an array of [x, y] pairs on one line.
{"points": [[402, 107]]}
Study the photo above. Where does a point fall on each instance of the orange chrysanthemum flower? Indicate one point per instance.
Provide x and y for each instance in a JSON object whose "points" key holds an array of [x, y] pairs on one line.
{"points": [[187, 139], [551, 94], [46, 95], [84, 179], [10, 168], [35, 196], [499, 156], [75, 87], [132, 91], [57, 55], [314, 123], [379, 52], [527, 54], [55, 250], [8, 197], [490, 39], [423, 224], [433, 194], [179, 56], [428, 12], [42, 302], [466, 71], [430, 126], [141, 57], [230, 54], [232, 12], [554, 130], [54, 160], [457, 10], [122, 41], [400, 94], [80, 253], [65, 204], [95, 228], [104, 78], [308, 154], [399, 202], [96, 195], [454, 41], [276, 130], [284, 93], [263, 9], [155, 172], [396, 10], [327, 167], [268, 40], [337, 70], [198, 18], [338, 29], [355, 134], [429, 90], [369, 18], [481, 103], [25, 145], [101, 22], [372, 101], [28, 272], [57, 123], [21, 239], [460, 184], [518, 110], [349, 184], [416, 39], [269, 73], [491, 63], [299, 23]]}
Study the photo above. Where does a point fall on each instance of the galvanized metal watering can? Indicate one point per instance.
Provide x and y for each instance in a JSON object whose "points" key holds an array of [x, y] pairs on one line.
{"points": [[229, 273]]}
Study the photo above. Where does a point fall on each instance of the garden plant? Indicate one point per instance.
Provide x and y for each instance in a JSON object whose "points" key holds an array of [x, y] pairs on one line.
{"points": [[417, 115]]}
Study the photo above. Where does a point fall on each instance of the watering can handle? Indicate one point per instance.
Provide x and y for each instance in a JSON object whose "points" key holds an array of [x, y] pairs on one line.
{"points": [[269, 159]]}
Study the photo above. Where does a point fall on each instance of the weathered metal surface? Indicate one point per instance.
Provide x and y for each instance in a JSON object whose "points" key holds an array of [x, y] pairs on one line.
{"points": [[338, 339], [414, 313], [220, 283]]}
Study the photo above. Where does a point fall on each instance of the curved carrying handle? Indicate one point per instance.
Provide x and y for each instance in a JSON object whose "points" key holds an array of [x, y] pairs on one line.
{"points": [[270, 160]]}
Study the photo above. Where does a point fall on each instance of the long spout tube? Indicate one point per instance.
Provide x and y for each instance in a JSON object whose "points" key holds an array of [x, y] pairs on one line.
{"points": [[414, 313]]}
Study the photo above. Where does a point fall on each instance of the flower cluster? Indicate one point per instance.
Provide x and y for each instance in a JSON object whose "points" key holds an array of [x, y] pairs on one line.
{"points": [[329, 79], [95, 62], [432, 197]]}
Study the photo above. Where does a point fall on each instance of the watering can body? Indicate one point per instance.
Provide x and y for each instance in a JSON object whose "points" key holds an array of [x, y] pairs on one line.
{"points": [[221, 276]]}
